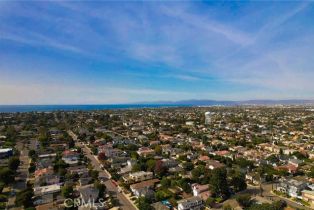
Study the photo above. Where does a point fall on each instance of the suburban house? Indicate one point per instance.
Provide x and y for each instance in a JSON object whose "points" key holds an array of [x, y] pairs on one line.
{"points": [[288, 167], [201, 190], [192, 203], [49, 189], [43, 173], [308, 196], [80, 169], [145, 151], [169, 163], [44, 199], [165, 137], [144, 188], [128, 167], [138, 176], [70, 157], [109, 151], [203, 158], [224, 153], [295, 162], [47, 179], [84, 180], [292, 187], [254, 178], [88, 192], [213, 164]]}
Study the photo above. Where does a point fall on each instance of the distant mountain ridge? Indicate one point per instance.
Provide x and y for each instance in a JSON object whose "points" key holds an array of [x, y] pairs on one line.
{"points": [[195, 102]]}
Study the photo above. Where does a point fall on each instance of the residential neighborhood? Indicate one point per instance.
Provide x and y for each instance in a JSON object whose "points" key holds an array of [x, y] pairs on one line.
{"points": [[218, 157]]}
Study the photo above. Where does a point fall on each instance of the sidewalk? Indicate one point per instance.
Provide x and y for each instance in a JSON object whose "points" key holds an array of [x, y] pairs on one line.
{"points": [[291, 201], [129, 198], [125, 195]]}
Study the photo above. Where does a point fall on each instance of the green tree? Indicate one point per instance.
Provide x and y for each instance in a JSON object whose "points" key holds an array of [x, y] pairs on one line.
{"points": [[244, 163], [32, 154], [311, 173], [273, 158], [238, 181], [158, 150], [32, 167], [151, 163], [218, 182], [67, 191], [244, 200], [94, 174], [278, 205], [134, 155], [188, 166], [1, 186], [3, 198], [136, 167], [227, 207], [71, 143], [94, 150], [10, 132], [184, 184], [210, 201], [165, 183], [197, 172], [6, 175], [143, 204], [43, 136], [101, 188], [60, 167], [24, 198], [14, 163], [162, 195]]}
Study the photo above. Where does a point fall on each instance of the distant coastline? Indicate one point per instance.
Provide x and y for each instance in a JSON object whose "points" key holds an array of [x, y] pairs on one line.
{"points": [[50, 108], [157, 104]]}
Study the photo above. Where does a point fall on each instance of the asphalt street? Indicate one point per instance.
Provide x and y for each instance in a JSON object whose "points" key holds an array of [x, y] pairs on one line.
{"points": [[109, 183]]}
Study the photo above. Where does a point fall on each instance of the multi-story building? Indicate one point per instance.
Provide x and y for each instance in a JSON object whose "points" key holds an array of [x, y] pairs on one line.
{"points": [[192, 203], [208, 118], [138, 176]]}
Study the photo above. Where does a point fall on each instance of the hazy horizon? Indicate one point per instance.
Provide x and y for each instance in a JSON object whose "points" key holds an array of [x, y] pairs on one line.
{"points": [[188, 102], [131, 52]]}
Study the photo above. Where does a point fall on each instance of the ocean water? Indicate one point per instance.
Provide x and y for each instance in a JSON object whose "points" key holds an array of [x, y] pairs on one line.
{"points": [[49, 108]]}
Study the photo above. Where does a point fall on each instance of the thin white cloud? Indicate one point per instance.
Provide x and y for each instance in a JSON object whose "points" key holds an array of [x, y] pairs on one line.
{"points": [[198, 21], [186, 77], [156, 53], [267, 29], [40, 41], [285, 69], [55, 94], [175, 75]]}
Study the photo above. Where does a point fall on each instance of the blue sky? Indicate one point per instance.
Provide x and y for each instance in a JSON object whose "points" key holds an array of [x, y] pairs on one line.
{"points": [[122, 52]]}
